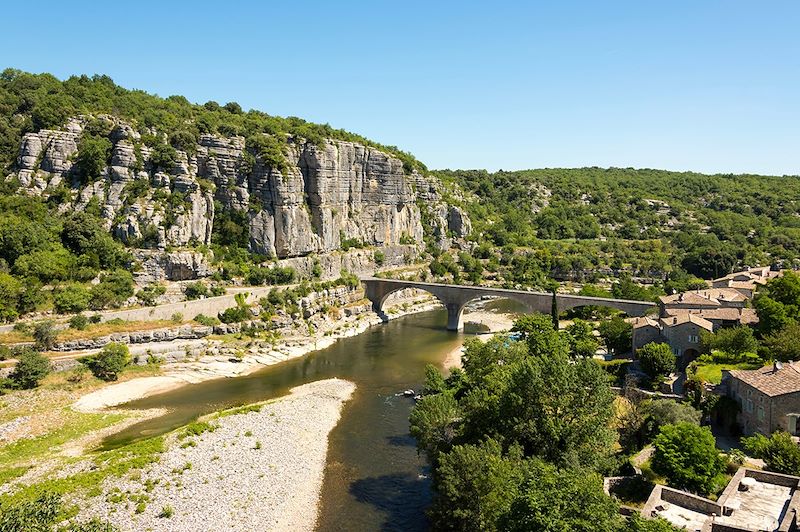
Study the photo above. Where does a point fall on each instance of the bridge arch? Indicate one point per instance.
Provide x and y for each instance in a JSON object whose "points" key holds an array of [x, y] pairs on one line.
{"points": [[455, 297]]}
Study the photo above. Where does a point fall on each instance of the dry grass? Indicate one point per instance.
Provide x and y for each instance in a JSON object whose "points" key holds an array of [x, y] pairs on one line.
{"points": [[94, 330]]}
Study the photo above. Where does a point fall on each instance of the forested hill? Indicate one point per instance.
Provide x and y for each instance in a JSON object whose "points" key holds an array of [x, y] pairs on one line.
{"points": [[32, 102], [640, 221]]}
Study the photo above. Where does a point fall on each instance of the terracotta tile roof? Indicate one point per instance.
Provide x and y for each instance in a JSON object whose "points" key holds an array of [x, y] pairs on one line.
{"points": [[686, 317], [644, 322], [769, 381], [689, 298]]}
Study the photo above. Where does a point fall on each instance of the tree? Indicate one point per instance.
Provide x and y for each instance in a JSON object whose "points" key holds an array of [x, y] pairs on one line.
{"points": [[560, 500], [45, 335], [539, 333], [93, 155], [31, 368], [10, 291], [109, 363], [555, 409], [687, 456], [735, 341], [658, 413], [617, 334], [475, 486], [71, 298], [656, 359], [784, 344], [779, 452], [582, 343], [772, 315], [433, 423]]}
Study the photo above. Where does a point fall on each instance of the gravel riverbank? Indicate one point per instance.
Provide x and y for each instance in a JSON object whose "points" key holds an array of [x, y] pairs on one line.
{"points": [[257, 470]]}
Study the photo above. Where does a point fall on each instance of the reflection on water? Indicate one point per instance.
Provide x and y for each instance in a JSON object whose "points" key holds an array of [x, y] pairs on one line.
{"points": [[374, 478]]}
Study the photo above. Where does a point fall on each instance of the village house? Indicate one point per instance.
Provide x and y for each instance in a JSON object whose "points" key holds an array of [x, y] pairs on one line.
{"points": [[682, 333], [769, 397], [683, 316]]}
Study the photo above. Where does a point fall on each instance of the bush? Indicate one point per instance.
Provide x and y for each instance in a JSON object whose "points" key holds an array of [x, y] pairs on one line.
{"points": [[208, 321], [779, 452], [176, 317], [79, 322], [687, 456], [148, 295], [109, 363], [271, 276], [31, 368], [734, 341], [45, 335], [166, 512], [656, 360], [379, 257], [195, 291], [95, 318], [71, 298]]}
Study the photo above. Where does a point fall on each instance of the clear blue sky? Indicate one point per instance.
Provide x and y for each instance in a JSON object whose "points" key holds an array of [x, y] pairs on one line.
{"points": [[701, 85]]}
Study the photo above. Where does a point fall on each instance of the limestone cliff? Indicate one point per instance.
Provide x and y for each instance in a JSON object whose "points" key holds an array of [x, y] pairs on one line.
{"points": [[326, 192]]}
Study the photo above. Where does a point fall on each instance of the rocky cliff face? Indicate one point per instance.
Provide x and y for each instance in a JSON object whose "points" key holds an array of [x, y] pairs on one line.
{"points": [[327, 193]]}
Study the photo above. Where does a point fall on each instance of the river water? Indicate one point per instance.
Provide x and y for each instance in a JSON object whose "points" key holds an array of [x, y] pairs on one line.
{"points": [[374, 479]]}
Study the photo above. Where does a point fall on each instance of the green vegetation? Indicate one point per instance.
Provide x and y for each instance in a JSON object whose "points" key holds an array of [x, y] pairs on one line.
{"points": [[588, 223], [30, 102], [31, 368], [108, 363], [779, 452], [657, 360], [686, 455], [502, 444]]}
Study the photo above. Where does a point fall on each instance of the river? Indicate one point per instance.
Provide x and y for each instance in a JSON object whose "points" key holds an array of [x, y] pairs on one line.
{"points": [[374, 479]]}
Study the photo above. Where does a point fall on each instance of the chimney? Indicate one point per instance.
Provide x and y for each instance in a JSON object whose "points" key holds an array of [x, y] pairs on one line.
{"points": [[776, 366]]}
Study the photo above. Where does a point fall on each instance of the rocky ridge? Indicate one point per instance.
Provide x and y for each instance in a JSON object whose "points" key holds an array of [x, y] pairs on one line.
{"points": [[326, 195]]}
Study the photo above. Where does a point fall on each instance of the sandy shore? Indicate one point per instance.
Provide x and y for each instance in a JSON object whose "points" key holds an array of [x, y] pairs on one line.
{"points": [[495, 322], [216, 366], [256, 471]]}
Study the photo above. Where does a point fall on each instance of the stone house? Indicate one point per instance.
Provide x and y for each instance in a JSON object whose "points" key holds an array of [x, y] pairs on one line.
{"points": [[681, 332], [769, 398]]}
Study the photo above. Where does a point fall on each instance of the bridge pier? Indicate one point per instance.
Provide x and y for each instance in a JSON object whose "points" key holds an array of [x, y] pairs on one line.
{"points": [[455, 312]]}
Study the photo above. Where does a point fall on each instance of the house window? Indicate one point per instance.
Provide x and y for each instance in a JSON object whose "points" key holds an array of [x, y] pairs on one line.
{"points": [[749, 406], [761, 413], [794, 426], [694, 339]]}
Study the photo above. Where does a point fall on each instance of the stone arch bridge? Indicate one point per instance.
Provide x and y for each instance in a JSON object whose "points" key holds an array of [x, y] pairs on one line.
{"points": [[455, 297]]}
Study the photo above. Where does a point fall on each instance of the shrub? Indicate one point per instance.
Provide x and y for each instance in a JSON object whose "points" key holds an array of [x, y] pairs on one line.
{"points": [[687, 456], [148, 295], [109, 363], [95, 318], [176, 317], [208, 321], [779, 452], [734, 341], [79, 322], [271, 276], [45, 335], [71, 298], [195, 290], [31, 368], [379, 257], [656, 359], [112, 291], [166, 512]]}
